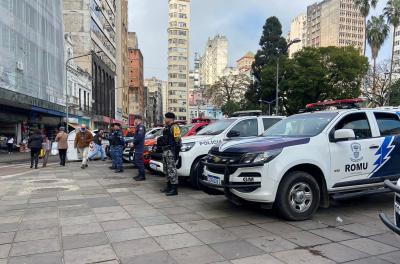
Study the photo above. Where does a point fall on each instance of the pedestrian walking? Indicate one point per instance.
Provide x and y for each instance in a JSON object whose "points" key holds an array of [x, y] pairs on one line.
{"points": [[35, 144], [171, 145], [98, 138], [10, 145], [117, 144], [140, 132], [82, 142], [46, 145], [62, 145]]}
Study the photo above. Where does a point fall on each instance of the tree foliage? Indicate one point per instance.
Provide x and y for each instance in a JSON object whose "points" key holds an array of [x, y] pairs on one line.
{"points": [[377, 31], [365, 7], [271, 44], [316, 74], [378, 90], [228, 89]]}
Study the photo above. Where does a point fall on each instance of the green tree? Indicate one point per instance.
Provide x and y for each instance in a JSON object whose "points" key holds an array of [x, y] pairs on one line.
{"points": [[317, 74], [392, 13], [271, 44], [377, 32], [365, 6]]}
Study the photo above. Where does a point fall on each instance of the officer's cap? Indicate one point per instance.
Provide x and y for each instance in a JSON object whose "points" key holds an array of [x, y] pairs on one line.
{"points": [[170, 115], [116, 124]]}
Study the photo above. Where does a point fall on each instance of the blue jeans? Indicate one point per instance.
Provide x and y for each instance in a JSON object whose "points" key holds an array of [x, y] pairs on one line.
{"points": [[98, 149]]}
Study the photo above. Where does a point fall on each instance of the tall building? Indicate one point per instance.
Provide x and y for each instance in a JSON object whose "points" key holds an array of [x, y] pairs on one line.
{"points": [[155, 90], [214, 60], [79, 86], [122, 61], [92, 27], [31, 67], [136, 94], [244, 63], [178, 57], [335, 23], [298, 30]]}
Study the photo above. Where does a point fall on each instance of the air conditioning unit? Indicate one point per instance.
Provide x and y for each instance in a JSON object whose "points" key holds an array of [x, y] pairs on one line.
{"points": [[20, 65]]}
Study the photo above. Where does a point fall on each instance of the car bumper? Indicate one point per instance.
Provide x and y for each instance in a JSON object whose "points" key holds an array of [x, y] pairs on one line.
{"points": [[156, 166], [246, 182]]}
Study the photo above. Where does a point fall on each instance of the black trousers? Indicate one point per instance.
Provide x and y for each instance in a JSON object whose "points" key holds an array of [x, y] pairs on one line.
{"points": [[35, 156], [10, 147], [63, 155]]}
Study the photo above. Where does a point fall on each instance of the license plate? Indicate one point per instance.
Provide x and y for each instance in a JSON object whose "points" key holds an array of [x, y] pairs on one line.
{"points": [[213, 179], [153, 166]]}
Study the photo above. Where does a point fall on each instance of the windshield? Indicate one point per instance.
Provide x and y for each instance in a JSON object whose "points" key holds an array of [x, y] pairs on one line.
{"points": [[303, 125], [185, 129], [217, 127]]}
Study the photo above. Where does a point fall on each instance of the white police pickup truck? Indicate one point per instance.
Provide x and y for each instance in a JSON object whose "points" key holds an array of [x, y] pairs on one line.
{"points": [[305, 159], [194, 148]]}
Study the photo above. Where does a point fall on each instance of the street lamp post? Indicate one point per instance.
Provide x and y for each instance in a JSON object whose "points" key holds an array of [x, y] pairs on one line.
{"points": [[66, 83], [296, 40]]}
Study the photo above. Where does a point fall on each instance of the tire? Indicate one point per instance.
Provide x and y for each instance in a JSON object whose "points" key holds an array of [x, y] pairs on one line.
{"points": [[298, 196], [195, 174]]}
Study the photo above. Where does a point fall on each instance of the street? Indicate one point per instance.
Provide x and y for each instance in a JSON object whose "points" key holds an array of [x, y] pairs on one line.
{"points": [[69, 215]]}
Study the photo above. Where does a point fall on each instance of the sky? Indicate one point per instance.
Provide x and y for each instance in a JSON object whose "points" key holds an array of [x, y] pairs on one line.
{"points": [[240, 20]]}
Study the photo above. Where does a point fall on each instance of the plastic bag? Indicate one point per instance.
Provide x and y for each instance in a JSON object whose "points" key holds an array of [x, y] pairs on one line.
{"points": [[42, 153], [54, 148]]}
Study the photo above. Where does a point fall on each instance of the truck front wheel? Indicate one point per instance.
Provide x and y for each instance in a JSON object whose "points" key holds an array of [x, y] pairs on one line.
{"points": [[298, 196]]}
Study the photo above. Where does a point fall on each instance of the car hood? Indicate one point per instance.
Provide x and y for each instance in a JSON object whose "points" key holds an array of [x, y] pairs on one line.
{"points": [[259, 144]]}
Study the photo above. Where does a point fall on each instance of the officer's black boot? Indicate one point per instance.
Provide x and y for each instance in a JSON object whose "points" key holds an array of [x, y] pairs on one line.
{"points": [[173, 191], [140, 178], [167, 188], [119, 170]]}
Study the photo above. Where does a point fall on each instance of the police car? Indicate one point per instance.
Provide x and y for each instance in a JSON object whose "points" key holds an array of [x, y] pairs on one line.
{"points": [[305, 159], [395, 227], [243, 124]]}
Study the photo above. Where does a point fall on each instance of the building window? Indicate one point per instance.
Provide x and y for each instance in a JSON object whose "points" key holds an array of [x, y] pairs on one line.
{"points": [[80, 104]]}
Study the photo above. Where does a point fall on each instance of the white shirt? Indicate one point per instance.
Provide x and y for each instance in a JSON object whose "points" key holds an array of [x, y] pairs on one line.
{"points": [[10, 141]]}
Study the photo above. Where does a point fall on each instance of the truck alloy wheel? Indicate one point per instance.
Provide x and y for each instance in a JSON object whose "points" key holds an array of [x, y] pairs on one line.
{"points": [[298, 196]]}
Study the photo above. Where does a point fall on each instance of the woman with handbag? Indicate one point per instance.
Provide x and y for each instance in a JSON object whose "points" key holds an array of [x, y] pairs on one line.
{"points": [[62, 140], [46, 148], [35, 144]]}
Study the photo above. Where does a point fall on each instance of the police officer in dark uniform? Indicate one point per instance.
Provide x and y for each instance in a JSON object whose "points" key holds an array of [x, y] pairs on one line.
{"points": [[171, 145], [117, 144], [140, 133]]}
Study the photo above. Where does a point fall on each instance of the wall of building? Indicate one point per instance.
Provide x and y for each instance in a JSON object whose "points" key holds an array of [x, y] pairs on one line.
{"points": [[298, 30], [136, 82], [32, 68], [214, 60], [122, 103], [178, 57]]}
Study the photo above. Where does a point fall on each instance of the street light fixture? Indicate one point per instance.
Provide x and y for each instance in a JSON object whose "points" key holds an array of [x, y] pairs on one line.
{"points": [[66, 83], [296, 40]]}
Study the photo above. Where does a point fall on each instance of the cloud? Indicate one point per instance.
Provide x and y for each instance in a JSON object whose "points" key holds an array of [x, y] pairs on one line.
{"points": [[240, 20]]}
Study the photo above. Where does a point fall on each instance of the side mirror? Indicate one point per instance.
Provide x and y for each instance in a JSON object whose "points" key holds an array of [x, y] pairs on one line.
{"points": [[233, 133], [344, 135]]}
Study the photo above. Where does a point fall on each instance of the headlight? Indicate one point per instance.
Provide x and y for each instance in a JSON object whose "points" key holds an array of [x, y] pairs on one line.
{"points": [[265, 157], [187, 146]]}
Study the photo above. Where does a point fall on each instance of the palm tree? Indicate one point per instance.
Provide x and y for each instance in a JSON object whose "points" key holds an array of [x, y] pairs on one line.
{"points": [[365, 7], [392, 13], [377, 32]]}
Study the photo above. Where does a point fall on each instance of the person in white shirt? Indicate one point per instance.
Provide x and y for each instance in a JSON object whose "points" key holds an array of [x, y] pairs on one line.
{"points": [[10, 144]]}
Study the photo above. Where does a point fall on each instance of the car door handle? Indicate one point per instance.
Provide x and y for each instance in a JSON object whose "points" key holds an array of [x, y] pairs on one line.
{"points": [[374, 147]]}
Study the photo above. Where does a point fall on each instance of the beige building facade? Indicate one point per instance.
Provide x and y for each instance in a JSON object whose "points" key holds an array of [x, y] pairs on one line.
{"points": [[298, 30], [335, 23], [178, 57], [122, 66], [244, 63], [214, 60]]}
